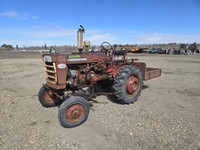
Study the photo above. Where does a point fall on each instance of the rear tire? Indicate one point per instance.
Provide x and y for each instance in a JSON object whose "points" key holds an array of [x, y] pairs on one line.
{"points": [[47, 98], [73, 112], [128, 84]]}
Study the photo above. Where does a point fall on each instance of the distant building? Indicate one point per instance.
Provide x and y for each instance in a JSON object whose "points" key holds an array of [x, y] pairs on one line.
{"points": [[43, 51]]}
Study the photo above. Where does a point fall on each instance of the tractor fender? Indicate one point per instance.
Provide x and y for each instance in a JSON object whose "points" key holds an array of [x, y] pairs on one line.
{"points": [[118, 68]]}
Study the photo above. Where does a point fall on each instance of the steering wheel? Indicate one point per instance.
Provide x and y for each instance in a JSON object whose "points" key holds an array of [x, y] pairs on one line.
{"points": [[106, 46]]}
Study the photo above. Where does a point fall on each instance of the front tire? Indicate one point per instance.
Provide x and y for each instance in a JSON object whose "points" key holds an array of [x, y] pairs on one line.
{"points": [[73, 112], [47, 98], [128, 84]]}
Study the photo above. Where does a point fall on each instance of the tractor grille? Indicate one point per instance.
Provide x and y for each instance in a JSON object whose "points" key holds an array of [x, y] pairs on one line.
{"points": [[50, 69]]}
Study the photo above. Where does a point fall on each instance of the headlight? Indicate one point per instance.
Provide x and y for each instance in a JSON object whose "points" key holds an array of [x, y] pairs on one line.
{"points": [[47, 58]]}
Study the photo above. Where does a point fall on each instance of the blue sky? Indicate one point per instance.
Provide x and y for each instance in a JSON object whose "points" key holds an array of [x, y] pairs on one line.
{"points": [[55, 22]]}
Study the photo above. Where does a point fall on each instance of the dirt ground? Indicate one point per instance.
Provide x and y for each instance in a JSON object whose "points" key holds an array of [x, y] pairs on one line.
{"points": [[166, 115]]}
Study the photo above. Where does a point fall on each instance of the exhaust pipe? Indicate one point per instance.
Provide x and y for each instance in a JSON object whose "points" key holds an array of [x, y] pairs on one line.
{"points": [[80, 38]]}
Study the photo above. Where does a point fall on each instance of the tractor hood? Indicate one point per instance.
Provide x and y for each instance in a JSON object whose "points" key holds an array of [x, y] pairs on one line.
{"points": [[77, 58]]}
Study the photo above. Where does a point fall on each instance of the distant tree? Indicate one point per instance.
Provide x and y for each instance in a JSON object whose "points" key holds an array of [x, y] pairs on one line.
{"points": [[5, 46], [17, 47], [45, 46]]}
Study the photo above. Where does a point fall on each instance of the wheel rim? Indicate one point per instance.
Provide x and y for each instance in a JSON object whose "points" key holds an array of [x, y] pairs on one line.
{"points": [[49, 97], [75, 113], [132, 85]]}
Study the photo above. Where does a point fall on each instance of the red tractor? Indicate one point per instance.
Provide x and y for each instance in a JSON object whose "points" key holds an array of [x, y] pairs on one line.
{"points": [[100, 73]]}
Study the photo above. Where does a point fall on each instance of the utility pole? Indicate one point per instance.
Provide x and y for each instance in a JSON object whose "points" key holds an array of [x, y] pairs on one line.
{"points": [[16, 46]]}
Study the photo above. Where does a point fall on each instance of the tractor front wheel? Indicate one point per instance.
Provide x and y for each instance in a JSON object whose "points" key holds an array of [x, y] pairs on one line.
{"points": [[73, 112], [128, 84], [47, 98]]}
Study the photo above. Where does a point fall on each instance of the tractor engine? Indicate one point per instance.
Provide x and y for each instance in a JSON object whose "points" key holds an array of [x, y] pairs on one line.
{"points": [[80, 76]]}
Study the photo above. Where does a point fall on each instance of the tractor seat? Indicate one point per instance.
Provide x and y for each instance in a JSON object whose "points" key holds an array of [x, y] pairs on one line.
{"points": [[116, 61], [117, 53]]}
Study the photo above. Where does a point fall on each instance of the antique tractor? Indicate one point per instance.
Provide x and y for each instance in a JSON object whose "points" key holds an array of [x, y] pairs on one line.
{"points": [[67, 75]]}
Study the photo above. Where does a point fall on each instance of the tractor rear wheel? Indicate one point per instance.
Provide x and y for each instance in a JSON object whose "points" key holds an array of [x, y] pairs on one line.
{"points": [[128, 84], [73, 112], [47, 98]]}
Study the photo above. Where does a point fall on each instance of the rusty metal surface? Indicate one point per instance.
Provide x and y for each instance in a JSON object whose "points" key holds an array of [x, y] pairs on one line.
{"points": [[75, 113], [80, 38], [152, 73], [57, 87], [78, 58], [132, 85], [54, 93], [61, 74], [49, 97], [148, 73], [142, 67]]}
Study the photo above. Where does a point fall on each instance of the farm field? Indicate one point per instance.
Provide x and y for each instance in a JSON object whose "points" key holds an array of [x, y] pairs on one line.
{"points": [[166, 115]]}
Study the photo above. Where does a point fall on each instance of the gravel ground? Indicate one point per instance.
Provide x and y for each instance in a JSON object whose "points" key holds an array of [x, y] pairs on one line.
{"points": [[166, 115]]}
